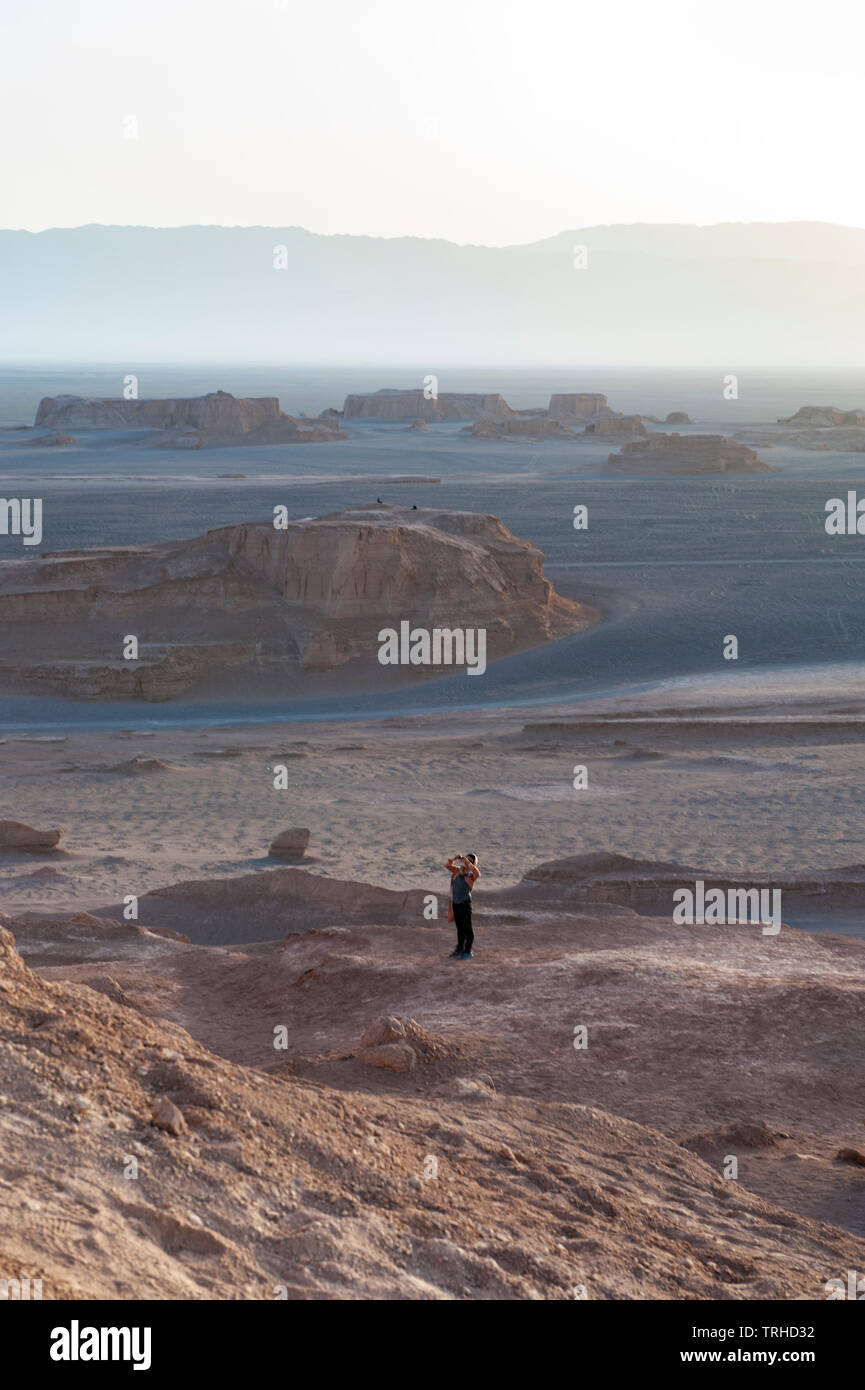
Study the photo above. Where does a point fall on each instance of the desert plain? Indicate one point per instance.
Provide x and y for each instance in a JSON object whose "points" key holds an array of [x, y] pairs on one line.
{"points": [[230, 1073]]}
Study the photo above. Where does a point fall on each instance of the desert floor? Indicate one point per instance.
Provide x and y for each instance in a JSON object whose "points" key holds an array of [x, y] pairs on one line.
{"points": [[748, 785]]}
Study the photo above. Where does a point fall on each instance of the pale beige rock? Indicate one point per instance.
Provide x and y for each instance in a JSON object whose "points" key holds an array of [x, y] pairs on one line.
{"points": [[290, 844], [467, 1088], [389, 1056], [164, 1114], [15, 835], [383, 1030]]}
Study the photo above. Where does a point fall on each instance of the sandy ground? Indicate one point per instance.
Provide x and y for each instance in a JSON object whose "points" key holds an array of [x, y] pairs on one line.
{"points": [[761, 787]]}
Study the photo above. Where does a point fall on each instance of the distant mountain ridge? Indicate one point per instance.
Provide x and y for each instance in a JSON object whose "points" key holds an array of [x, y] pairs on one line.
{"points": [[726, 296]]}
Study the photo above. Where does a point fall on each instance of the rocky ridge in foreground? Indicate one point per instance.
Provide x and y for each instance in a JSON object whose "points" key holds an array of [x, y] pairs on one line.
{"points": [[157, 1144]]}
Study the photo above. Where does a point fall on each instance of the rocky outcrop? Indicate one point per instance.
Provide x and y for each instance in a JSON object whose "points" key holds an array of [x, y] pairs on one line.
{"points": [[534, 425], [299, 1172], [823, 416], [829, 439], [647, 886], [674, 455], [272, 609], [731, 1138], [217, 419], [219, 413], [165, 1115], [265, 906], [420, 425], [678, 417], [389, 1056], [16, 836], [295, 1156], [578, 408], [616, 427], [290, 844], [389, 404], [50, 441]]}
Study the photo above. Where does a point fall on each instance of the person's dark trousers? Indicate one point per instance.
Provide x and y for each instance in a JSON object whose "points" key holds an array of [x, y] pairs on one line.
{"points": [[463, 920]]}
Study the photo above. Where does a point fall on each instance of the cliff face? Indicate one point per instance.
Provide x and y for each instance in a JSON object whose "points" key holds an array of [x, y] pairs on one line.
{"points": [[219, 411], [677, 455], [577, 407], [271, 608], [193, 422], [388, 404]]}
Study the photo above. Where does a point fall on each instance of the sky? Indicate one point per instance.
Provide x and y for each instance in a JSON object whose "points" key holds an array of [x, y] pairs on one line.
{"points": [[478, 121]]}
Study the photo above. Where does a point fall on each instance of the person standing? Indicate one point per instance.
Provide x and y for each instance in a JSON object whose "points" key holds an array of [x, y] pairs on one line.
{"points": [[464, 874]]}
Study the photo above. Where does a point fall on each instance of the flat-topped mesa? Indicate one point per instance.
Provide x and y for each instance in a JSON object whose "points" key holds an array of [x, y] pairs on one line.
{"points": [[675, 455], [252, 609], [824, 416], [218, 411], [532, 425], [217, 418], [616, 427], [578, 407], [389, 404]]}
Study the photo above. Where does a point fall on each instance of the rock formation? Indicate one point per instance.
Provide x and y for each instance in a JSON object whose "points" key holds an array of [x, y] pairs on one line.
{"points": [[534, 425], [218, 413], [420, 425], [616, 427], [675, 455], [578, 408], [218, 419], [50, 441], [264, 906], [16, 836], [272, 609], [290, 844], [647, 885], [828, 439], [822, 416], [678, 417], [389, 404]]}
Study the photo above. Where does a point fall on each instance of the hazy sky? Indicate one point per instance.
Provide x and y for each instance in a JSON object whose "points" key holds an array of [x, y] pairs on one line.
{"points": [[476, 120]]}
